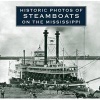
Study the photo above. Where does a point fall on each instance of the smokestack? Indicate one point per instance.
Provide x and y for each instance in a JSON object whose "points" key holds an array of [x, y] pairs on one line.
{"points": [[57, 46], [45, 46], [24, 56]]}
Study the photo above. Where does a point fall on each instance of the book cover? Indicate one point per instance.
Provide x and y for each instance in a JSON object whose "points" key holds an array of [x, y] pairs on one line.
{"points": [[49, 49]]}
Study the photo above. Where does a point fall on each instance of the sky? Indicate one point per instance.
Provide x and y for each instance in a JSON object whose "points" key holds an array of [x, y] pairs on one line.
{"points": [[13, 39]]}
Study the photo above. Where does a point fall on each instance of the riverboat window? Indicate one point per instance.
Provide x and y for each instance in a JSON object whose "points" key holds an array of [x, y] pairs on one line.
{"points": [[64, 69], [76, 74], [16, 68], [72, 69], [69, 69]]}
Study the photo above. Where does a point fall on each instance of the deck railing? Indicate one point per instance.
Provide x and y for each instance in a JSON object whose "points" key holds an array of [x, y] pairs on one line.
{"points": [[49, 71]]}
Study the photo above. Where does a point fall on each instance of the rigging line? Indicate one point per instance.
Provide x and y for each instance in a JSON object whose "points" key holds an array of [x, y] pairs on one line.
{"points": [[84, 72], [72, 54], [84, 42], [93, 52], [53, 49], [52, 37], [41, 41], [72, 61], [80, 52], [85, 67], [63, 47], [90, 66], [68, 42], [80, 74], [76, 63], [93, 79], [53, 45], [49, 50], [62, 43], [82, 66], [88, 63], [66, 52]]}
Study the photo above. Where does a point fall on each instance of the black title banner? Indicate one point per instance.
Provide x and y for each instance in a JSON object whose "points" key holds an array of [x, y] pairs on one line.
{"points": [[50, 16]]}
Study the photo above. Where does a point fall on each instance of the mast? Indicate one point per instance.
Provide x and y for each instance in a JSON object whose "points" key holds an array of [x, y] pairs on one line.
{"points": [[21, 73], [84, 43], [31, 57], [9, 68], [77, 61], [63, 63], [76, 57], [84, 55], [24, 56], [31, 54]]}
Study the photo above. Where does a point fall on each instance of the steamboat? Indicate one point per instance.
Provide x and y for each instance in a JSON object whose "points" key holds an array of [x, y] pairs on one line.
{"points": [[43, 69]]}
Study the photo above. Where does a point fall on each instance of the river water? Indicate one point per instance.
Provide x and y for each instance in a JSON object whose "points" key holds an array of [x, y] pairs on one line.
{"points": [[90, 71]]}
